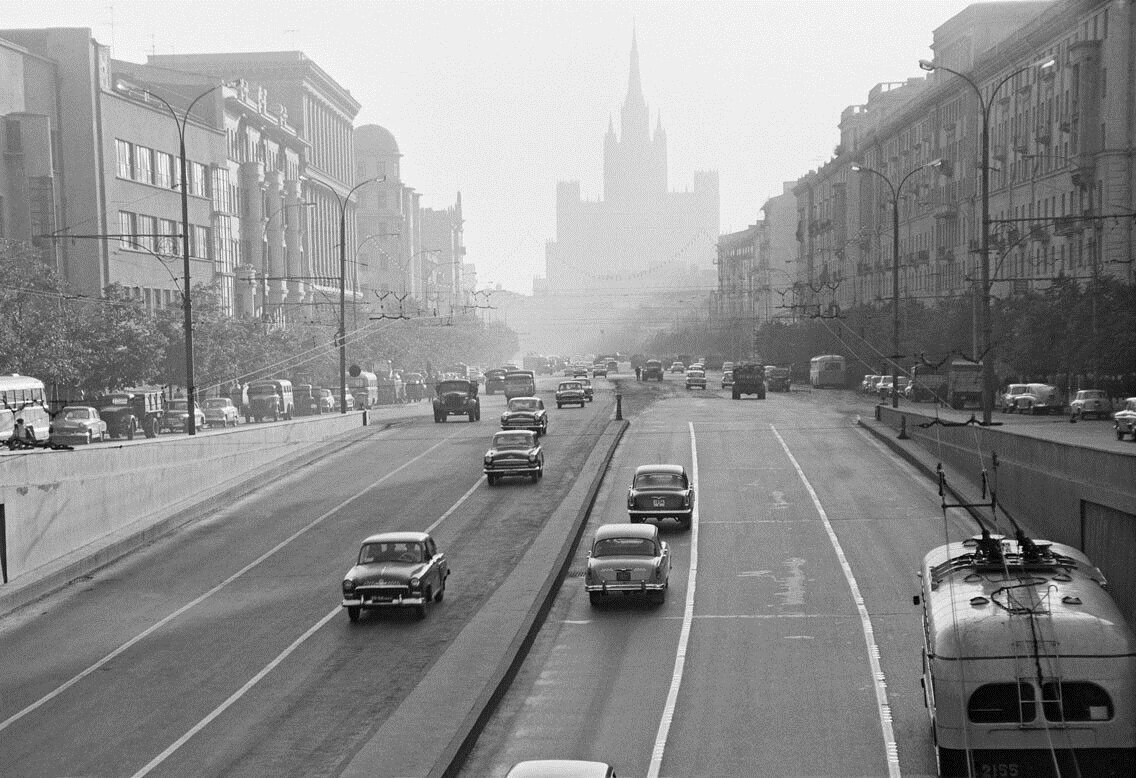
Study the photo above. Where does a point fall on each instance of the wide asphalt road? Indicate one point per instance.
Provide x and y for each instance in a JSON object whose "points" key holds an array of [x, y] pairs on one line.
{"points": [[788, 644], [222, 649]]}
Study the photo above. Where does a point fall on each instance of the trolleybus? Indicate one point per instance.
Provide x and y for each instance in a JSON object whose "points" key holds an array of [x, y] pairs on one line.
{"points": [[1028, 666], [827, 370], [23, 397]]}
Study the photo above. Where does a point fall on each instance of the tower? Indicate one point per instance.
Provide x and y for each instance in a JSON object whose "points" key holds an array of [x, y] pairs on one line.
{"points": [[635, 163]]}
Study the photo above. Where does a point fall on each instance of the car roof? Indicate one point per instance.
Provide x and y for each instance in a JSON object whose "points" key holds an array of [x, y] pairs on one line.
{"points": [[526, 398], [646, 531], [559, 768], [676, 469], [405, 536]]}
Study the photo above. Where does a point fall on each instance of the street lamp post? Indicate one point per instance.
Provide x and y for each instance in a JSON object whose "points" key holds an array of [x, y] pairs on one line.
{"points": [[342, 334], [984, 320], [895, 190], [190, 389]]}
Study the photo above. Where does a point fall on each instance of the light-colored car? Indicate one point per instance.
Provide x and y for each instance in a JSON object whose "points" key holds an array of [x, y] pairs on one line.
{"points": [[560, 768], [1125, 420], [514, 453], [525, 413], [1009, 396], [78, 424], [220, 412], [176, 417], [326, 400], [1039, 398], [628, 559], [727, 366], [695, 379], [1090, 402], [589, 392], [727, 379], [395, 569], [678, 367], [570, 393], [867, 386], [660, 492]]}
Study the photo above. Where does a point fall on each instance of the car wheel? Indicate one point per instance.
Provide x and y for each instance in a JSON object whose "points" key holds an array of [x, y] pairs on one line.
{"points": [[353, 613], [420, 612], [737, 395], [248, 419], [659, 597], [441, 592], [684, 523], [491, 479], [130, 430], [1119, 434], [596, 598], [559, 406], [535, 477], [472, 417]]}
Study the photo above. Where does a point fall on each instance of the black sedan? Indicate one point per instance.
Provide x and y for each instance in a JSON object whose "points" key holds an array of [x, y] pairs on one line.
{"points": [[525, 413], [514, 453], [661, 492]]}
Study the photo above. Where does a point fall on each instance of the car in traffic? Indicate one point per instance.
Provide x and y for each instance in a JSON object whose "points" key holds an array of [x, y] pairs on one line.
{"points": [[652, 369], [1090, 402], [612, 366], [660, 491], [727, 379], [627, 559], [326, 400], [525, 413], [678, 367], [695, 379], [416, 386], [778, 378], [727, 365], [456, 397], [395, 570], [176, 417], [495, 380], [1124, 420], [513, 453], [570, 393], [220, 412], [579, 371], [560, 768], [599, 369], [589, 392], [1007, 398], [1039, 398], [77, 424]]}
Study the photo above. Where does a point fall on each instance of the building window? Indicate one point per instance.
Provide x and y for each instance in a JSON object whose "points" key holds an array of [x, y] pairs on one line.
{"points": [[125, 158], [126, 229], [145, 237], [168, 243], [13, 141], [143, 164], [199, 238], [164, 170], [197, 180]]}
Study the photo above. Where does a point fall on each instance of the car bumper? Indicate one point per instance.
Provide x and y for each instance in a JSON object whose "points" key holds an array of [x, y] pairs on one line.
{"points": [[72, 436], [512, 470], [609, 587], [655, 513], [382, 601]]}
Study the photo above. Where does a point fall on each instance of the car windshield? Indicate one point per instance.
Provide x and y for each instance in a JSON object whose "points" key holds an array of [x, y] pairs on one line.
{"points": [[1090, 394], [262, 391], [572, 385], [178, 405], [76, 413], [695, 373], [391, 552], [453, 386], [524, 404], [218, 402], [659, 481], [512, 441], [624, 547]]}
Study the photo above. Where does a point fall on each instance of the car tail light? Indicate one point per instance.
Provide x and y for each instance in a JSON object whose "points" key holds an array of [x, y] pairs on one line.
{"points": [[686, 500], [631, 499]]}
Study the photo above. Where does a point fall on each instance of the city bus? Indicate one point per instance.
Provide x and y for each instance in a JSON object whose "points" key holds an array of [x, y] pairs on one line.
{"points": [[827, 370], [364, 388], [23, 397]]}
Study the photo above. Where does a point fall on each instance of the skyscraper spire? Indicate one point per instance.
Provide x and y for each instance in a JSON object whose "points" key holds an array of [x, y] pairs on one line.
{"points": [[634, 83]]}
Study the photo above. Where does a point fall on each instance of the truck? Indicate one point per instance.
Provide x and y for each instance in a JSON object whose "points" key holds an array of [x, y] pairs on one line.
{"points": [[964, 383], [928, 384], [133, 410], [749, 378]]}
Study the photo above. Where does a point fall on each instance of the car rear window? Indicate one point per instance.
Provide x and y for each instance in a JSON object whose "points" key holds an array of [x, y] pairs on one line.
{"points": [[624, 547], [659, 481]]}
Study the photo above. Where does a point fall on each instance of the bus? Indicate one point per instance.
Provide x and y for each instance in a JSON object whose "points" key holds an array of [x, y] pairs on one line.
{"points": [[1029, 668], [23, 397], [365, 389], [827, 370]]}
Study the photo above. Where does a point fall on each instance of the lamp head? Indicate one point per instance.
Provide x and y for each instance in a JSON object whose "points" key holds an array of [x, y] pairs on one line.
{"points": [[857, 168], [928, 65]]}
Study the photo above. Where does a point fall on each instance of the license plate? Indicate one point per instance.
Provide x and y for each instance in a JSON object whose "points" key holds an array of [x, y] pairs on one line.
{"points": [[659, 502], [623, 575]]}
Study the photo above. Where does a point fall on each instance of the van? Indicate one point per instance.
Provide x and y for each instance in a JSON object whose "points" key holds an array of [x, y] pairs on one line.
{"points": [[270, 398], [520, 383]]}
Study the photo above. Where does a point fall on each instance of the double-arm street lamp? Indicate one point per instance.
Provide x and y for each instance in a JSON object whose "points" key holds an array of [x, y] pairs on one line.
{"points": [[342, 335], [181, 121], [986, 104], [895, 191]]}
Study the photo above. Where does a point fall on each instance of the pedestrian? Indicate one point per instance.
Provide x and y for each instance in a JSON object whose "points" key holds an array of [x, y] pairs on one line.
{"points": [[21, 432], [638, 372]]}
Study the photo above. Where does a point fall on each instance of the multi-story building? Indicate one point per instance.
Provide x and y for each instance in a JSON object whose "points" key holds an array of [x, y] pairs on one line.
{"points": [[319, 185], [443, 253]]}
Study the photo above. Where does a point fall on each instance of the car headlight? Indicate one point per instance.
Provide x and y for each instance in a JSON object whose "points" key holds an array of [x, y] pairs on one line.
{"points": [[532, 458], [348, 585], [415, 583], [488, 459], [504, 416]]}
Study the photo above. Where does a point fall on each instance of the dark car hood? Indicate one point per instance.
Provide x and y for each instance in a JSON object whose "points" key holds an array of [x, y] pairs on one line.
{"points": [[392, 572]]}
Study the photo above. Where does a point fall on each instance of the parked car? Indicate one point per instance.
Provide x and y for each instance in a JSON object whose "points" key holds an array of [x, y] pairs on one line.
{"points": [[396, 569], [1008, 396], [305, 398], [176, 417], [627, 559], [678, 367], [727, 379], [560, 768], [1090, 402], [695, 379], [570, 393], [660, 492], [514, 453], [270, 398], [456, 397], [78, 424], [525, 413], [1125, 420], [1039, 398], [416, 386], [220, 412], [589, 393], [868, 385]]}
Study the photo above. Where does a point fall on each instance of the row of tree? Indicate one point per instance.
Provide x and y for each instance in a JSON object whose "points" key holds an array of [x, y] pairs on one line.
{"points": [[1072, 334], [85, 345]]}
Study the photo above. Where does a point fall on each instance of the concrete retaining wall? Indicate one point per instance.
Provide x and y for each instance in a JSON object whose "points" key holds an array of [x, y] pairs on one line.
{"points": [[60, 507]]}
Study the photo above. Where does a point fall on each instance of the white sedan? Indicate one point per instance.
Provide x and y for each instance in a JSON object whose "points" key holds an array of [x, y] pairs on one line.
{"points": [[78, 424]]}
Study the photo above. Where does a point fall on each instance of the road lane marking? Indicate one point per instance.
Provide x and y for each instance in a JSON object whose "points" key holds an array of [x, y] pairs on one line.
{"points": [[882, 707], [198, 600], [687, 621]]}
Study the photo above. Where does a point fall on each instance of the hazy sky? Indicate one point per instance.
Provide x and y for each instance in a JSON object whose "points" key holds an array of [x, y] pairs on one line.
{"points": [[501, 100]]}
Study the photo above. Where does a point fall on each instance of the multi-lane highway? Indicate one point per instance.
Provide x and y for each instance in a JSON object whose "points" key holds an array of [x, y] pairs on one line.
{"points": [[788, 644]]}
